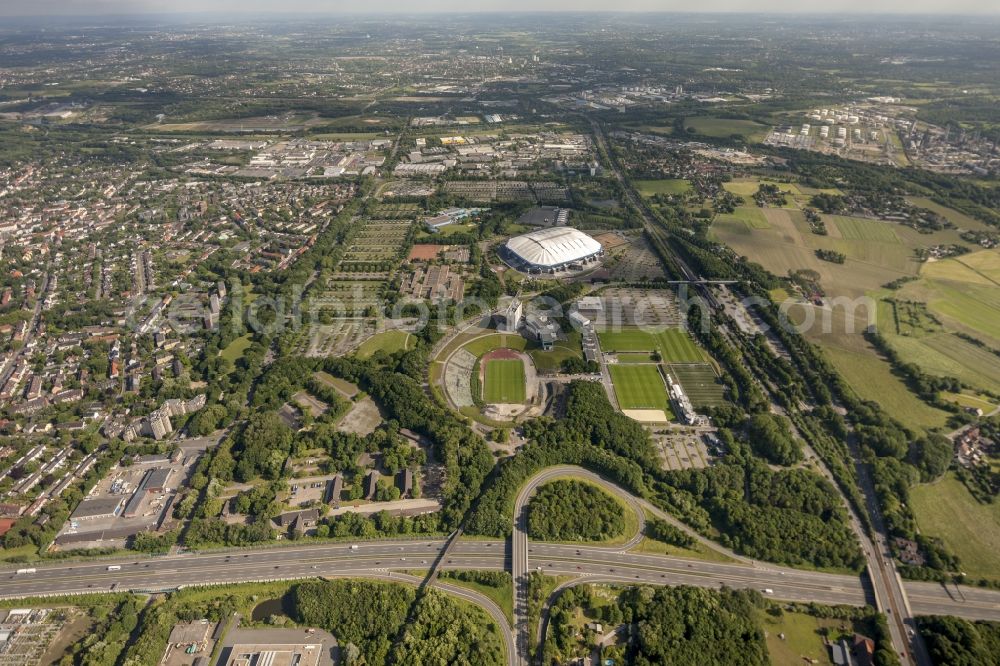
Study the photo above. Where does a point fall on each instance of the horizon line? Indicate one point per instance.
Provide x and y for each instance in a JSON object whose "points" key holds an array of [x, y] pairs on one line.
{"points": [[487, 12]]}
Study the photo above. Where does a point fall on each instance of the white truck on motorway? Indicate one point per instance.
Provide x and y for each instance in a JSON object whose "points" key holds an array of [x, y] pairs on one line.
{"points": [[26, 571], [354, 547], [114, 567]]}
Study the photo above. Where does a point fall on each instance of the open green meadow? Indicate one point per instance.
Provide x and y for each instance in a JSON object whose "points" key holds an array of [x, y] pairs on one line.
{"points": [[872, 379], [785, 244], [946, 510], [747, 187], [959, 219], [639, 387], [235, 349], [802, 642], [389, 342], [648, 188], [725, 127], [673, 344], [860, 229], [751, 216], [504, 382]]}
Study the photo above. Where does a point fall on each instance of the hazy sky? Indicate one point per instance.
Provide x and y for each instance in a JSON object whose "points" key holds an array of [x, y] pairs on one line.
{"points": [[92, 7]]}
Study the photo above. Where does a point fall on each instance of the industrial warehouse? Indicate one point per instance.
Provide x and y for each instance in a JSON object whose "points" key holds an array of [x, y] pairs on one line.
{"points": [[550, 250]]}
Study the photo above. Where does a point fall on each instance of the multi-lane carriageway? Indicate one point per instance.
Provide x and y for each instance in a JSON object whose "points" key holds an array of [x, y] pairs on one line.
{"points": [[380, 558]]}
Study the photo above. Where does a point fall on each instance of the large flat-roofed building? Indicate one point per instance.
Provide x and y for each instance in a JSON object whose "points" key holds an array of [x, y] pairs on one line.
{"points": [[98, 507], [274, 655], [552, 249]]}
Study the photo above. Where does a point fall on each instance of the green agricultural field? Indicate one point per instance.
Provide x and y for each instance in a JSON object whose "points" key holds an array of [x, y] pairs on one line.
{"points": [[673, 344], [946, 510], [648, 188], [747, 187], [872, 379], [504, 382], [947, 355], [389, 341], [639, 387], [725, 127], [700, 383], [859, 229], [751, 216]]}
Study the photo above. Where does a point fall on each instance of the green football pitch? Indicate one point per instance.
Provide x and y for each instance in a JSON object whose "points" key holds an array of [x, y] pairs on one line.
{"points": [[504, 381], [673, 344], [639, 387]]}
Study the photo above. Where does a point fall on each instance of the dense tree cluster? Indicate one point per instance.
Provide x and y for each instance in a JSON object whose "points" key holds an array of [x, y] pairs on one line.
{"points": [[771, 437], [662, 531], [366, 614], [690, 625], [444, 631], [791, 516], [574, 511], [958, 642]]}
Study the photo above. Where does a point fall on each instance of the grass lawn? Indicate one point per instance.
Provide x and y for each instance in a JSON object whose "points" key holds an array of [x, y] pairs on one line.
{"points": [[22, 553], [504, 381], [234, 350], [648, 188], [673, 344], [551, 361], [480, 346], [751, 216], [502, 596], [635, 357], [389, 341], [803, 642], [946, 510], [639, 387], [968, 400], [348, 389]]}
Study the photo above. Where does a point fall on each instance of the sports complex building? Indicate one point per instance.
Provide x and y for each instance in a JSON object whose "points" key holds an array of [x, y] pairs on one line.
{"points": [[550, 250]]}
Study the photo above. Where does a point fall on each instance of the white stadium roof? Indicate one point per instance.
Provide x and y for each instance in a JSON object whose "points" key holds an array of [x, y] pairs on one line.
{"points": [[553, 246]]}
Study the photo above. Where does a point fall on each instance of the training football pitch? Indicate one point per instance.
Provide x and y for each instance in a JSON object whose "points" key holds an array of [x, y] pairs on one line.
{"points": [[673, 344], [504, 382], [639, 387]]}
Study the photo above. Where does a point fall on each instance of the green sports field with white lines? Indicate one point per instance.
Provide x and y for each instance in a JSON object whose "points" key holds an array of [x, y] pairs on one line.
{"points": [[504, 382], [674, 344], [639, 387]]}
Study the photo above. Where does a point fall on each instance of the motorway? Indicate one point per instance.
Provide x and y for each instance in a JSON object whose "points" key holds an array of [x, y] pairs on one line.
{"points": [[381, 558]]}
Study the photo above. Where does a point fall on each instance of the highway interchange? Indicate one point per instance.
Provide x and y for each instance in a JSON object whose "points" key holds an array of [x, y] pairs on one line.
{"points": [[393, 559]]}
